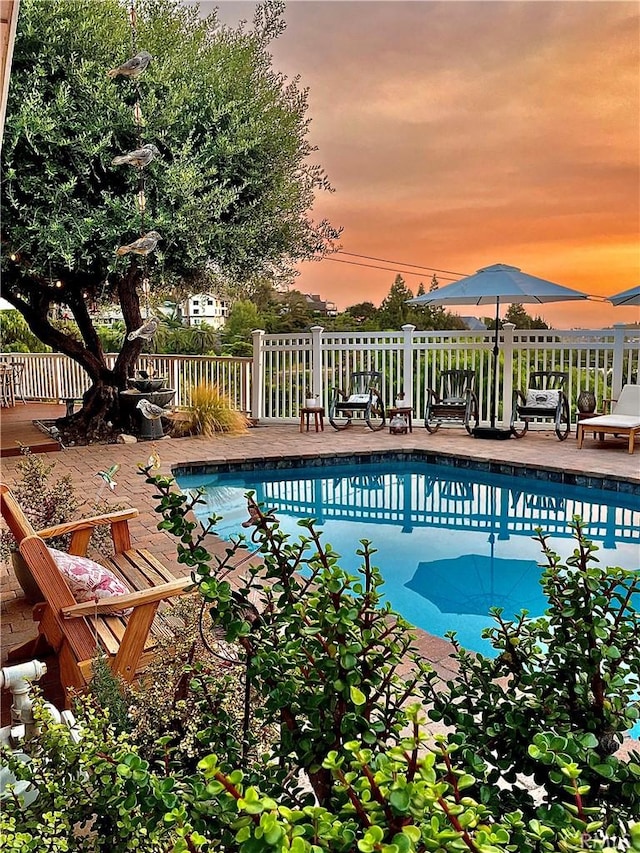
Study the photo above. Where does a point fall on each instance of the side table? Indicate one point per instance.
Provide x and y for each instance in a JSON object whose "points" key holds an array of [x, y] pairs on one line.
{"points": [[405, 411], [584, 416], [318, 417]]}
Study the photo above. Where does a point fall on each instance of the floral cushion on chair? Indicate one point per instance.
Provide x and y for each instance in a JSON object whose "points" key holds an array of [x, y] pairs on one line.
{"points": [[87, 580]]}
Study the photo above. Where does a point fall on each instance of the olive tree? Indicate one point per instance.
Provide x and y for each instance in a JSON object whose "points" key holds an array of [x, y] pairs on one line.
{"points": [[229, 190]]}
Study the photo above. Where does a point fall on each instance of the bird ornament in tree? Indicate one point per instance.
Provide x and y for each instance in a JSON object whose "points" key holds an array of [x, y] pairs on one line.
{"points": [[146, 331], [142, 246], [132, 67], [139, 158]]}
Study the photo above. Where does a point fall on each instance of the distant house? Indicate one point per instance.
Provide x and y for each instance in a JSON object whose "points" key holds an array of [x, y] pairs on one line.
{"points": [[474, 324], [194, 311], [320, 306], [204, 308]]}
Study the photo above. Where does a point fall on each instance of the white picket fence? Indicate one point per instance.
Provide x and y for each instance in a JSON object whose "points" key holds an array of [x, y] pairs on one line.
{"points": [[286, 369], [289, 368], [54, 377]]}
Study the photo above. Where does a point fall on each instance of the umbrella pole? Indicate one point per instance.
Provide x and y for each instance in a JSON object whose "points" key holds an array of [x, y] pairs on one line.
{"points": [[494, 378], [492, 431]]}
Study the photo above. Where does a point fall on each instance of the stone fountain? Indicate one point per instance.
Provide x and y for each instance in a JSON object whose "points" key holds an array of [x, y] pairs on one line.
{"points": [[144, 387]]}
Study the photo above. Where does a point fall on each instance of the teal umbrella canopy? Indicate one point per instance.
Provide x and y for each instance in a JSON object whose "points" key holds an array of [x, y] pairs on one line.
{"points": [[626, 297], [495, 285], [473, 583]]}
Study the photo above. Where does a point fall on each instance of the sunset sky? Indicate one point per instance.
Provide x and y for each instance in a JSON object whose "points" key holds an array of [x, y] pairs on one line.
{"points": [[461, 134]]}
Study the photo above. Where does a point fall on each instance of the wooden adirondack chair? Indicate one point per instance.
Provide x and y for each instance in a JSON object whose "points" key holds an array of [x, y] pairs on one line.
{"points": [[76, 631]]}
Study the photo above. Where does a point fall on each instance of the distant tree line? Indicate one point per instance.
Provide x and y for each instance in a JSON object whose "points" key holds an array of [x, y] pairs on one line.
{"points": [[262, 306]]}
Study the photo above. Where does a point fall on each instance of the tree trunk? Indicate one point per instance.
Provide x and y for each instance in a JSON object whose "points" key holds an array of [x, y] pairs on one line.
{"points": [[101, 417]]}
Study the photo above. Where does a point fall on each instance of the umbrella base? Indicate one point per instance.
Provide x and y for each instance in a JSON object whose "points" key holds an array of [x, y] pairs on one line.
{"points": [[494, 433]]}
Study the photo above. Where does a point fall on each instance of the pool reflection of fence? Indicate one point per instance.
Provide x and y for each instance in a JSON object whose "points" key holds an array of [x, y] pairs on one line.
{"points": [[413, 500]]}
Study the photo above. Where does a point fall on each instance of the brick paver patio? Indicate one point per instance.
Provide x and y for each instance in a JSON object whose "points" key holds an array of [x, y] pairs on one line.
{"points": [[274, 442]]}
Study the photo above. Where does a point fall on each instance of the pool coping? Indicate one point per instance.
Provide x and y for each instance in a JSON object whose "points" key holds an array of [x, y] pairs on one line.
{"points": [[293, 461]]}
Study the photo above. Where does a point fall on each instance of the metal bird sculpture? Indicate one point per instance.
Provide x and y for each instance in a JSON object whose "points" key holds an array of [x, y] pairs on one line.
{"points": [[146, 331], [142, 246], [108, 475], [132, 67], [139, 158], [107, 480], [151, 411]]}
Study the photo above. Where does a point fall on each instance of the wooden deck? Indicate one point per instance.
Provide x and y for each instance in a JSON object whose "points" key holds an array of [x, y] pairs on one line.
{"points": [[17, 427]]}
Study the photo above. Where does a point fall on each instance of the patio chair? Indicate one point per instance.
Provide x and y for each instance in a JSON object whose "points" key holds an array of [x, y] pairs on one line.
{"points": [[545, 398], [125, 626], [18, 381], [363, 398], [624, 418], [456, 400]]}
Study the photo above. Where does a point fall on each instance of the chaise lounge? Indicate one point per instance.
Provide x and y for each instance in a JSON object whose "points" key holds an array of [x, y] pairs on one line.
{"points": [[624, 418]]}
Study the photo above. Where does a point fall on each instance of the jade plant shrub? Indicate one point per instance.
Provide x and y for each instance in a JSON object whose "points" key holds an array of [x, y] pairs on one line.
{"points": [[192, 698], [394, 789], [321, 649], [98, 795], [563, 684]]}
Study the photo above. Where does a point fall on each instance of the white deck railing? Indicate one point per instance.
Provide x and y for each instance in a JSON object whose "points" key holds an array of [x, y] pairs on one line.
{"points": [[55, 377], [289, 368], [286, 369]]}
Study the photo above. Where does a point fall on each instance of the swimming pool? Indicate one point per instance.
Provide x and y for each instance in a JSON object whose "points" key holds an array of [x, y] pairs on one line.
{"points": [[451, 542]]}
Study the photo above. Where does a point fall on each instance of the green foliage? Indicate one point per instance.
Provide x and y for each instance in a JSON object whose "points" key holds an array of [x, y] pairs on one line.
{"points": [[394, 311], [192, 699], [44, 501], [516, 314], [16, 336], [323, 650], [112, 337], [109, 694], [99, 794], [560, 690], [323, 659], [233, 182], [208, 411], [242, 320], [175, 337]]}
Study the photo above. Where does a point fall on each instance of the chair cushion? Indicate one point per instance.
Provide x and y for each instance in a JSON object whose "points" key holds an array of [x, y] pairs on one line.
{"points": [[623, 422], [542, 399], [88, 580], [358, 399]]}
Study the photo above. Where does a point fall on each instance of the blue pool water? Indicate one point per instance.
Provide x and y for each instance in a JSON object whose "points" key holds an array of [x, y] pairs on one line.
{"points": [[450, 542]]}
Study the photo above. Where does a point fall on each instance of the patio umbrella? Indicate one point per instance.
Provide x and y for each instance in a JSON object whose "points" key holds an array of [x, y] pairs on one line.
{"points": [[496, 285], [626, 297], [474, 582]]}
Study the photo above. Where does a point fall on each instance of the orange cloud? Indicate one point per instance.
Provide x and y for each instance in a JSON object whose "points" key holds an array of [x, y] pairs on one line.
{"points": [[462, 134]]}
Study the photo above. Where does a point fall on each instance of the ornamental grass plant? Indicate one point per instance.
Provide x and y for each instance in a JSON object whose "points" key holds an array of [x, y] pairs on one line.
{"points": [[208, 411]]}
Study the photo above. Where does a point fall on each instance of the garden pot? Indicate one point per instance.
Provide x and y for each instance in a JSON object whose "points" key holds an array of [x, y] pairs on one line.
{"points": [[25, 578], [312, 403]]}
